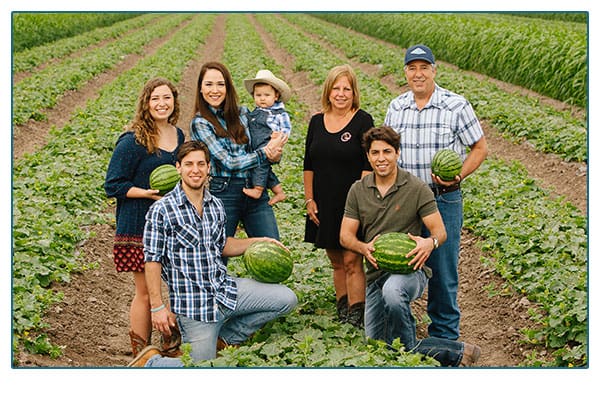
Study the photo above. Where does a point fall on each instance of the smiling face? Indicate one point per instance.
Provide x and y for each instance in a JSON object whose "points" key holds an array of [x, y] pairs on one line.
{"points": [[193, 169], [383, 158], [341, 94], [420, 77], [213, 88], [161, 103]]}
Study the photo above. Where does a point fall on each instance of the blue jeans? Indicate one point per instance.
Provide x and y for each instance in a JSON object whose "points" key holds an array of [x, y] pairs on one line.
{"points": [[257, 304], [256, 214], [442, 302], [388, 316]]}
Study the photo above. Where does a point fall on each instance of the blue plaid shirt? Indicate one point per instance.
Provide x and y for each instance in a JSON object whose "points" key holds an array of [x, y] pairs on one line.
{"points": [[447, 121], [278, 122], [189, 247], [228, 159]]}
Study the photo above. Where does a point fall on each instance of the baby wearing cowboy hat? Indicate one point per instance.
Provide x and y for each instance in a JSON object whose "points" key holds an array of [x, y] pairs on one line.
{"points": [[270, 93]]}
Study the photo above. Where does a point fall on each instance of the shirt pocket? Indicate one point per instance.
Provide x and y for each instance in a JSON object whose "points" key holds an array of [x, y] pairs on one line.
{"points": [[187, 237]]}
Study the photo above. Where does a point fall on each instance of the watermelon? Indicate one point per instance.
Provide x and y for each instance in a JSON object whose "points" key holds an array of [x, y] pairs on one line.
{"points": [[164, 178], [268, 262], [446, 164], [390, 252]]}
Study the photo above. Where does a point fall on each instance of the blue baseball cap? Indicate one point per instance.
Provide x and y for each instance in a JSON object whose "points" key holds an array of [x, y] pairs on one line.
{"points": [[419, 52]]}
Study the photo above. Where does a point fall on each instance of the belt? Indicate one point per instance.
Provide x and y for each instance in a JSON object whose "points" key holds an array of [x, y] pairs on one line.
{"points": [[438, 190]]}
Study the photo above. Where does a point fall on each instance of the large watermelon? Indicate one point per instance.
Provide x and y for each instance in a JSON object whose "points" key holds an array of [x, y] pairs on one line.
{"points": [[390, 252], [268, 262], [164, 178], [446, 164]]}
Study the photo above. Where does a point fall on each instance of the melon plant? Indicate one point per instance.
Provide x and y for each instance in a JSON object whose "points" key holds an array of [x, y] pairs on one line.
{"points": [[164, 178], [390, 252], [268, 262], [446, 164]]}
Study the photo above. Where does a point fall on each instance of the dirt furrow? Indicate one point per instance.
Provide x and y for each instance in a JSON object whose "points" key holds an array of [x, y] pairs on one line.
{"points": [[92, 322], [549, 170], [499, 337], [33, 135]]}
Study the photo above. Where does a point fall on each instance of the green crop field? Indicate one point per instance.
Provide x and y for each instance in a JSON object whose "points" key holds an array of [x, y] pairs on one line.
{"points": [[536, 242]]}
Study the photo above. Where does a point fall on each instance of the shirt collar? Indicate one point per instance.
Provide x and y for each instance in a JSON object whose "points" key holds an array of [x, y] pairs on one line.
{"points": [[217, 111], [182, 199], [434, 101], [401, 179]]}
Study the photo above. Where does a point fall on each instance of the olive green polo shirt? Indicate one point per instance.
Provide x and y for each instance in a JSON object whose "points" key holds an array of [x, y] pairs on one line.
{"points": [[401, 209]]}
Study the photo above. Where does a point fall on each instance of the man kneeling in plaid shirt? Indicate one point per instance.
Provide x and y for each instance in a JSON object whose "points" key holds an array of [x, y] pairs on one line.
{"points": [[184, 242]]}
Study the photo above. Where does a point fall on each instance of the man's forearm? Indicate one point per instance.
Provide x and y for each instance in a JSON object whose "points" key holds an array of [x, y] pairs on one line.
{"points": [[153, 282]]}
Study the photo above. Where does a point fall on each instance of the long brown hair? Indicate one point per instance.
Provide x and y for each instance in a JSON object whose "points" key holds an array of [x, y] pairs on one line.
{"points": [[143, 125], [231, 112], [334, 74]]}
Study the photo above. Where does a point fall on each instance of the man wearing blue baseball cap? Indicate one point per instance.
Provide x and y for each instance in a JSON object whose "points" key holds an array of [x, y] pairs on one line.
{"points": [[429, 118]]}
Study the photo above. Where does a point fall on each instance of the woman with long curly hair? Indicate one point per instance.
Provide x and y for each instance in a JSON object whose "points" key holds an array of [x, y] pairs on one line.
{"points": [[151, 140]]}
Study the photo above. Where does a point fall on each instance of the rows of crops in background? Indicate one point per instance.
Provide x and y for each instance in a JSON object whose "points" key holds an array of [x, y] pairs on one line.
{"points": [[28, 59], [309, 337], [39, 91], [35, 29], [50, 206], [58, 189], [545, 223], [517, 117], [555, 16], [501, 46]]}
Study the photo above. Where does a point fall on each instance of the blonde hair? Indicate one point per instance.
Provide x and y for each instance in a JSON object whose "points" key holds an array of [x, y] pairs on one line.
{"points": [[334, 74]]}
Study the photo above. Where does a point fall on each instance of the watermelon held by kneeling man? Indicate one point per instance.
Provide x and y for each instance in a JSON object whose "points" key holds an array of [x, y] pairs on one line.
{"points": [[446, 164], [268, 262], [390, 252], [164, 178]]}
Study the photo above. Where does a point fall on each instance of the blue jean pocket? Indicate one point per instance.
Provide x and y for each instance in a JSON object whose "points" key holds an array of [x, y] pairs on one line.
{"points": [[218, 184]]}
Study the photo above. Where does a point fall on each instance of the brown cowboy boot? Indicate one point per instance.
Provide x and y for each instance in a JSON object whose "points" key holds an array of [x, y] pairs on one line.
{"points": [[144, 355], [137, 343], [170, 344]]}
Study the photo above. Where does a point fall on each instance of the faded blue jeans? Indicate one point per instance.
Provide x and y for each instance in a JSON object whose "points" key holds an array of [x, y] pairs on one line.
{"points": [[388, 316], [257, 304], [442, 302], [256, 214]]}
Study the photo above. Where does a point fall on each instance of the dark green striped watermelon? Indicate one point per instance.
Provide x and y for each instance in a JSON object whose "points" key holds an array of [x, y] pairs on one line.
{"points": [[390, 252], [446, 164], [164, 178], [268, 262]]}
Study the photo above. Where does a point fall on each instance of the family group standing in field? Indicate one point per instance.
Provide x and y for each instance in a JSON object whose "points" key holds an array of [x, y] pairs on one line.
{"points": [[360, 181]]}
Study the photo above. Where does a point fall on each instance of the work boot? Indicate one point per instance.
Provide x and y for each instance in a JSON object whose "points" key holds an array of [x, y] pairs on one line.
{"points": [[137, 343], [342, 308], [222, 343], [170, 344], [471, 354], [356, 315], [143, 356]]}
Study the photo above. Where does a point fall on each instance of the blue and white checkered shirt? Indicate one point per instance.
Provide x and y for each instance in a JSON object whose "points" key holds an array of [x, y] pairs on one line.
{"points": [[280, 121], [189, 247], [228, 159], [447, 121]]}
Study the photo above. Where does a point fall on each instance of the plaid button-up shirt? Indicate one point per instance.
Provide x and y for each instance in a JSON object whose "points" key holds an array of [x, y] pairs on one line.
{"points": [[189, 247], [228, 159], [279, 121], [447, 121]]}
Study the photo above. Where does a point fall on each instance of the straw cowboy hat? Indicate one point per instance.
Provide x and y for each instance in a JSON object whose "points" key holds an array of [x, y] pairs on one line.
{"points": [[266, 76]]}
